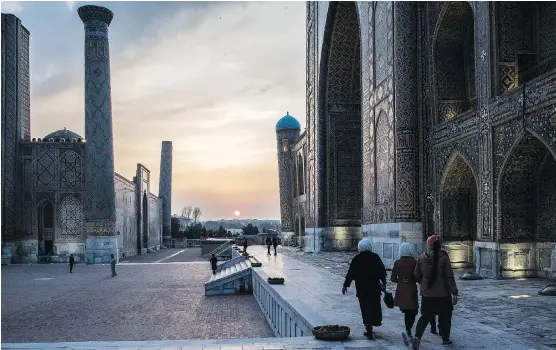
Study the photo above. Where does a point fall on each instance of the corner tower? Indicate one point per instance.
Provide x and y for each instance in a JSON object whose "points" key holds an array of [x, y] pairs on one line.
{"points": [[165, 189], [287, 132], [100, 203]]}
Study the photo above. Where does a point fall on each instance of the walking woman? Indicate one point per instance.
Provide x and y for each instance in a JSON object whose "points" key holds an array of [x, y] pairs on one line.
{"points": [[369, 274], [406, 292], [439, 292]]}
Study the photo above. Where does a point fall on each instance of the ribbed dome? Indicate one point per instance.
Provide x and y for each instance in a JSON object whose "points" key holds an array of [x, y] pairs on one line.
{"points": [[62, 134], [287, 122]]}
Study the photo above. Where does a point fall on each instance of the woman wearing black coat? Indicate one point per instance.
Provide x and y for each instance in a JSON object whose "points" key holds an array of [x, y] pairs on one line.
{"points": [[369, 274]]}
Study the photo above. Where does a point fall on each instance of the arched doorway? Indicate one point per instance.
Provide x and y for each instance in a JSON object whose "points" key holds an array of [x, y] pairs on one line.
{"points": [[458, 210], [527, 193], [454, 61], [46, 228], [341, 123]]}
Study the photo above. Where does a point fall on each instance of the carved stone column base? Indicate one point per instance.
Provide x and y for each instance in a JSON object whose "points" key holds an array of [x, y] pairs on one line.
{"points": [[99, 248], [386, 239]]}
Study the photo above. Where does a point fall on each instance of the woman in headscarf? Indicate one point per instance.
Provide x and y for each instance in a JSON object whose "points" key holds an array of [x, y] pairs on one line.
{"points": [[439, 292], [369, 274], [406, 292]]}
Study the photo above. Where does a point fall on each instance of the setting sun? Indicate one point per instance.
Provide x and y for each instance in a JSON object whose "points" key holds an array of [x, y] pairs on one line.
{"points": [[237, 213]]}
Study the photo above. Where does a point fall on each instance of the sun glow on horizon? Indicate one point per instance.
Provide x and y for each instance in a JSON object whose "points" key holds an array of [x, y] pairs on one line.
{"points": [[237, 213]]}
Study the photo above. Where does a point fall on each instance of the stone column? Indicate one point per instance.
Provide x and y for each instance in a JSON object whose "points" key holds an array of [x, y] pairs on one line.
{"points": [[165, 189], [100, 203]]}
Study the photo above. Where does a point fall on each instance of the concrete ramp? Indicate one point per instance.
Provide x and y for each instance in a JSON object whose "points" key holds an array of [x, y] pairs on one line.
{"points": [[232, 278]]}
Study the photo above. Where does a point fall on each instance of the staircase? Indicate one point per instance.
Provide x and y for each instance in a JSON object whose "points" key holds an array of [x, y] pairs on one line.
{"points": [[232, 276]]}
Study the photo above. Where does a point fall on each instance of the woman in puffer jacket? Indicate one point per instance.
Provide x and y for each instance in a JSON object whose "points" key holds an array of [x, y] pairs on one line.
{"points": [[439, 292]]}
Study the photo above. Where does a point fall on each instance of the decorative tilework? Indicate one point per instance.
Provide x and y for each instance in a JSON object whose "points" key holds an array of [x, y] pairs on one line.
{"points": [[100, 204]]}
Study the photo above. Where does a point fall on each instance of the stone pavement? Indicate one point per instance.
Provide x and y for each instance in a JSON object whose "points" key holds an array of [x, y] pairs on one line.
{"points": [[45, 303], [490, 314], [166, 256]]}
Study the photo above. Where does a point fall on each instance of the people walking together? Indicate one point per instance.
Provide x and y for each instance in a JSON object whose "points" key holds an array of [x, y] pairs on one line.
{"points": [[113, 265], [213, 263], [268, 244], [275, 244], [406, 297], [369, 274], [439, 292], [71, 262]]}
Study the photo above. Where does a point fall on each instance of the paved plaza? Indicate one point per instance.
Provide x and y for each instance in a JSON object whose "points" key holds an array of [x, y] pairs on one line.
{"points": [[163, 304], [146, 301]]}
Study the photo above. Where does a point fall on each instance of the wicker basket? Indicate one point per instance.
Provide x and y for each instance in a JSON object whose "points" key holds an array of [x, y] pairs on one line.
{"points": [[278, 280], [256, 264], [333, 332]]}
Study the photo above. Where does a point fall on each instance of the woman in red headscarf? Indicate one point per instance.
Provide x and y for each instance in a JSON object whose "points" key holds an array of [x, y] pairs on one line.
{"points": [[439, 292]]}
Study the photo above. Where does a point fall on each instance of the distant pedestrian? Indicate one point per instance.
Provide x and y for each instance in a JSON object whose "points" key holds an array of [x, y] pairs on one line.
{"points": [[113, 265], [439, 292], [406, 292], [213, 263], [369, 274], [245, 246], [268, 244], [274, 244], [71, 262]]}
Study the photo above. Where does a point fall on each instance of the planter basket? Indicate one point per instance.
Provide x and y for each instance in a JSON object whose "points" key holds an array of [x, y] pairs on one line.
{"points": [[275, 280], [334, 332], [256, 264]]}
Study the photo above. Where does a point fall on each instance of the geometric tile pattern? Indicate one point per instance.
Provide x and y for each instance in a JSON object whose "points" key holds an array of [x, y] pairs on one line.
{"points": [[70, 169], [458, 71], [99, 165], [15, 92], [71, 216], [46, 167]]}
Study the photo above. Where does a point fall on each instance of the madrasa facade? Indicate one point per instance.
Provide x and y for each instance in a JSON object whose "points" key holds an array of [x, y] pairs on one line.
{"points": [[427, 118], [60, 194]]}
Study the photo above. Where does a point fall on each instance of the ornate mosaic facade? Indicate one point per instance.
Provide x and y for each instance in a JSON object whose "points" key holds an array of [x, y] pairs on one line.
{"points": [[450, 108], [61, 190]]}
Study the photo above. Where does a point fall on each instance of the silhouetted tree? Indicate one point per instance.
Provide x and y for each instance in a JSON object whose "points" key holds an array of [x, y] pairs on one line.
{"points": [[250, 229]]}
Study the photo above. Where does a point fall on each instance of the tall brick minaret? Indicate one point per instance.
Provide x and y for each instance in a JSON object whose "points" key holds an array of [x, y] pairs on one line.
{"points": [[165, 189], [100, 203]]}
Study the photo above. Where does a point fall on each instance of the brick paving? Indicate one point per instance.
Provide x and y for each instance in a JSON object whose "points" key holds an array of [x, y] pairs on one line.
{"points": [[45, 303], [510, 305]]}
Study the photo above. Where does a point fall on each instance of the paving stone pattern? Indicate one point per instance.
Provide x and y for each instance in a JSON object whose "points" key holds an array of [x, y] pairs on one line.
{"points": [[144, 302], [510, 305]]}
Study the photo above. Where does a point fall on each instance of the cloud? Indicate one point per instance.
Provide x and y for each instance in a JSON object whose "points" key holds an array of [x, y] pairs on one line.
{"points": [[71, 5], [11, 6], [212, 79]]}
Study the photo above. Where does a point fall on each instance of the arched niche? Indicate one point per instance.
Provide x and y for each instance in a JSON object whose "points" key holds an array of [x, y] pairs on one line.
{"points": [[454, 61]]}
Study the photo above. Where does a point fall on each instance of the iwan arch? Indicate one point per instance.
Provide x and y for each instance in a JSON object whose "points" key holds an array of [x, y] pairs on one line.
{"points": [[424, 118]]}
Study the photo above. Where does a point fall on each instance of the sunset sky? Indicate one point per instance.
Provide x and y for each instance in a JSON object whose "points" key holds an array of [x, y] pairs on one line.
{"points": [[213, 77]]}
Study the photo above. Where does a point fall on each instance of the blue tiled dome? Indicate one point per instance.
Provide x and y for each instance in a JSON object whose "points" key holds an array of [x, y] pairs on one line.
{"points": [[287, 122], [62, 134]]}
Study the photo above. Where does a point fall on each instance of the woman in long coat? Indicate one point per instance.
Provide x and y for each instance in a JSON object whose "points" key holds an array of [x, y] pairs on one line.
{"points": [[439, 292], [406, 292], [368, 272]]}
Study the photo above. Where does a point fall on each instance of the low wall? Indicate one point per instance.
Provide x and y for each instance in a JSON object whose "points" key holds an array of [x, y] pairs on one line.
{"points": [[285, 316]]}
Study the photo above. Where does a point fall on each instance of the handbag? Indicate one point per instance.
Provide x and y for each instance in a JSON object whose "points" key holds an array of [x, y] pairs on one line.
{"points": [[388, 299]]}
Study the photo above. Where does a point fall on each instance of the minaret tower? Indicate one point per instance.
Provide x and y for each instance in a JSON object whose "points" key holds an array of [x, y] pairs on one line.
{"points": [[165, 190], [287, 132], [100, 203]]}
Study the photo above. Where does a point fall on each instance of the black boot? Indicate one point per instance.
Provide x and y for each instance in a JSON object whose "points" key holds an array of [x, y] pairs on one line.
{"points": [[369, 332], [433, 329]]}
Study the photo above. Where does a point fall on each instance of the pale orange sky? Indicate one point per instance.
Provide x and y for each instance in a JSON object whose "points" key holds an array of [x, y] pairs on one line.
{"points": [[213, 78]]}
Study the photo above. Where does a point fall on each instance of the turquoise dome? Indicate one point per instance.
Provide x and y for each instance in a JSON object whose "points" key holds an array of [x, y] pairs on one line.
{"points": [[287, 122]]}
